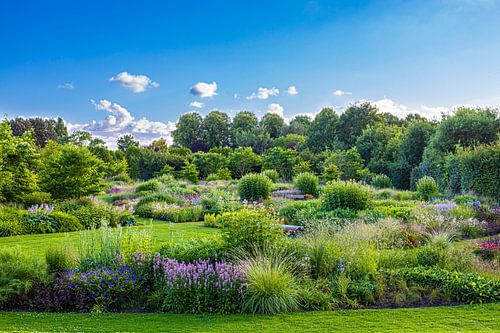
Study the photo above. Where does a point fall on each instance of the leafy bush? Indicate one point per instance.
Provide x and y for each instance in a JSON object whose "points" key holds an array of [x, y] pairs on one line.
{"points": [[291, 210], [122, 218], [212, 249], [17, 270], [190, 173], [247, 228], [381, 181], [461, 287], [168, 212], [272, 174], [427, 188], [88, 216], [331, 173], [39, 220], [345, 195], [157, 197], [254, 187], [59, 259], [11, 221], [36, 198], [152, 185], [65, 222], [307, 183]]}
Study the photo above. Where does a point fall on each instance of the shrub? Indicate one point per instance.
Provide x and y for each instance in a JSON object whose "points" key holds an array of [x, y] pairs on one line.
{"points": [[89, 216], [190, 173], [271, 286], [461, 287], [168, 212], [331, 173], [152, 185], [307, 183], [254, 187], [273, 175], [247, 228], [427, 188], [212, 249], [381, 181], [122, 218], [345, 195], [36, 198], [39, 220], [17, 270], [201, 287], [11, 221], [66, 222], [291, 210], [59, 259]]}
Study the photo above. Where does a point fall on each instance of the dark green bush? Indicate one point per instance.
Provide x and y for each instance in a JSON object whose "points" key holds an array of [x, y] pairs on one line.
{"points": [[88, 215], [345, 195], [427, 188], [481, 171], [461, 287], [152, 185], [254, 187], [66, 222], [307, 183], [36, 198], [11, 221], [381, 181]]}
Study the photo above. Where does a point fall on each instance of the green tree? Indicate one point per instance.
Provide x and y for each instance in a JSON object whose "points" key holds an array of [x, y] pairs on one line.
{"points": [[281, 160], [126, 141], [209, 163], [18, 162], [215, 129], [243, 122], [349, 162], [273, 124], [42, 129], [188, 129], [243, 161], [69, 171], [289, 141], [354, 120], [299, 125], [61, 130], [322, 132]]}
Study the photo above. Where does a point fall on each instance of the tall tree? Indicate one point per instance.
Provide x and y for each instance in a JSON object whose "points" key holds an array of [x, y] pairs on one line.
{"points": [[322, 132], [43, 129], [188, 130], [300, 125], [354, 120], [273, 124], [126, 141], [215, 129]]}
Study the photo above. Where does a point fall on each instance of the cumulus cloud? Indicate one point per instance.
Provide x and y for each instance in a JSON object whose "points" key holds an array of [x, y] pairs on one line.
{"points": [[292, 90], [119, 121], [203, 89], [401, 110], [339, 92], [197, 104], [275, 108], [66, 85], [264, 93], [136, 83]]}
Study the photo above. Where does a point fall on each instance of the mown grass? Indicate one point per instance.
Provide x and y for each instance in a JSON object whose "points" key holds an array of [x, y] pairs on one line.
{"points": [[468, 318], [162, 231]]}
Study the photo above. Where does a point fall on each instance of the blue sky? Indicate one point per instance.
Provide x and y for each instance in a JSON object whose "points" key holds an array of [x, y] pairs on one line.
{"points": [[115, 63]]}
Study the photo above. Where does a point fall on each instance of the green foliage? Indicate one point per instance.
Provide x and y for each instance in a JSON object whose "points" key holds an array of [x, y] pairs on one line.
{"points": [[243, 161], [291, 210], [246, 228], [427, 188], [126, 141], [11, 221], [354, 120], [462, 287], [193, 250], [17, 270], [69, 171], [322, 131], [188, 129], [381, 181], [481, 171], [289, 141], [209, 163], [273, 124], [345, 195], [307, 183], [254, 187], [190, 173], [215, 129], [66, 222], [152, 185], [59, 259], [331, 173], [349, 162], [272, 174], [88, 215], [36, 198], [281, 160]]}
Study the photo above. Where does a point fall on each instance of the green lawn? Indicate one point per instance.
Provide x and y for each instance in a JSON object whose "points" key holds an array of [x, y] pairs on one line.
{"points": [[476, 318], [162, 231]]}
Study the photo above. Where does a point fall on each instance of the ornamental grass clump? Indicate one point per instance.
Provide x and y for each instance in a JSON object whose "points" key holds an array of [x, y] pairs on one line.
{"points": [[427, 188], [307, 183], [200, 287]]}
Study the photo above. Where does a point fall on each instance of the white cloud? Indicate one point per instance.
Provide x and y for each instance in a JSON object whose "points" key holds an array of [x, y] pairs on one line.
{"points": [[264, 93], [136, 83], [339, 92], [66, 85], [275, 108], [203, 89], [120, 122], [292, 90], [197, 104], [401, 110]]}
